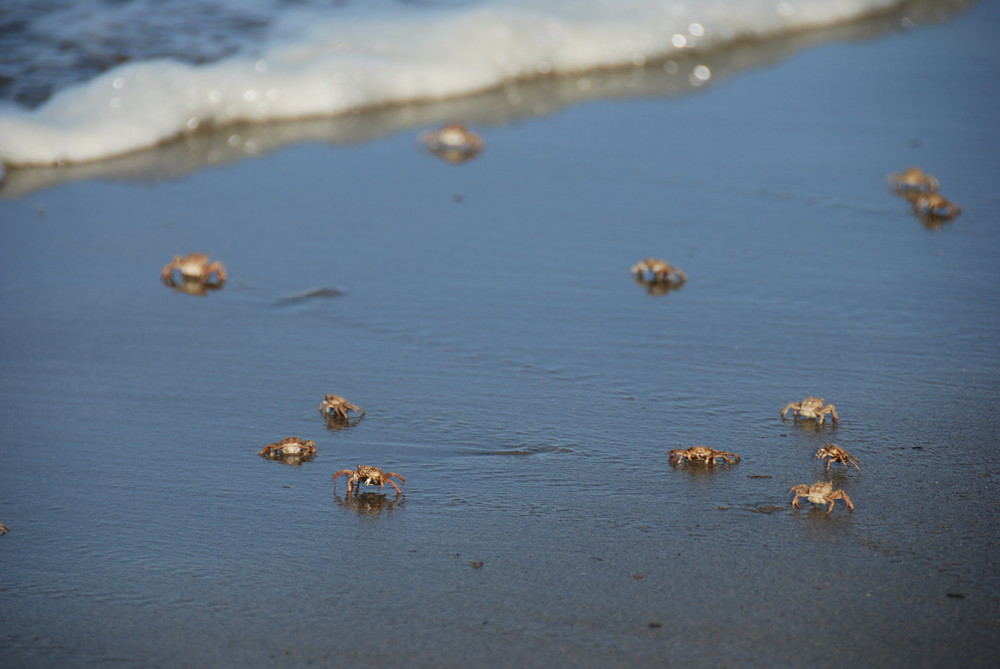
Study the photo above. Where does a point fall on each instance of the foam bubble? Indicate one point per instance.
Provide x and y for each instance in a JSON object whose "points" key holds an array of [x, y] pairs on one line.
{"points": [[320, 63]]}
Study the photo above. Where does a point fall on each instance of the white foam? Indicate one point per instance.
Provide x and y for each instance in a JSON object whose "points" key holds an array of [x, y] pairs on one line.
{"points": [[350, 59]]}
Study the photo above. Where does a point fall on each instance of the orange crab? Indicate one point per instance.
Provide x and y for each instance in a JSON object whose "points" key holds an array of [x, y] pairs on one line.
{"points": [[935, 206], [811, 407], [193, 266], [834, 453], [454, 143], [335, 406], [367, 475], [654, 270], [289, 447], [702, 454], [820, 492], [912, 179]]}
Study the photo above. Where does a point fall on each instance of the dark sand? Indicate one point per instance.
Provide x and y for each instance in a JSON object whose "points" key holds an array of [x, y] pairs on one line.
{"points": [[529, 391]]}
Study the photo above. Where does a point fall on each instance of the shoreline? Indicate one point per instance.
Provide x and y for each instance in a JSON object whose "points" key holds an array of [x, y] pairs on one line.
{"points": [[499, 104], [529, 391]]}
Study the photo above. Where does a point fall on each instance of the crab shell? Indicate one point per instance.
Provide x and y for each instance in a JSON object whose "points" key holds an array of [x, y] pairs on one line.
{"points": [[289, 446]]}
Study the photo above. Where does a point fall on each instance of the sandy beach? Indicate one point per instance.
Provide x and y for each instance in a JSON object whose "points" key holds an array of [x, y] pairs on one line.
{"points": [[525, 386]]}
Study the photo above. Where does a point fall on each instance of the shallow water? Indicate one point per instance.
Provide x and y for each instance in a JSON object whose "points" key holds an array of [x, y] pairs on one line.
{"points": [[527, 389]]}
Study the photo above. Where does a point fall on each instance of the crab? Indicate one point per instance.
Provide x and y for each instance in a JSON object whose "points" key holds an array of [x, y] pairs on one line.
{"points": [[811, 407], [194, 267], [654, 270], [454, 143], [367, 475], [820, 492], [290, 447], [335, 406], [912, 179], [935, 206], [3, 529], [702, 454], [834, 453]]}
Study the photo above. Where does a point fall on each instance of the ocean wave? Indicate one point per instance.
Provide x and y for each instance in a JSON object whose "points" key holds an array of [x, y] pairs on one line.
{"points": [[339, 62]]}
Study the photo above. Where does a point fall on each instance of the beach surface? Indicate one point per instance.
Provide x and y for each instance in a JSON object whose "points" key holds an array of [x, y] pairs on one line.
{"points": [[524, 385]]}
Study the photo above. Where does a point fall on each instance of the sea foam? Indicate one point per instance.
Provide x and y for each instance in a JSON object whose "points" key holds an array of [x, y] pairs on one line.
{"points": [[324, 62]]}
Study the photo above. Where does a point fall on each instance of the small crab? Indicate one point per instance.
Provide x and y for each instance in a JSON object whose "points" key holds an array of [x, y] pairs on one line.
{"points": [[935, 206], [335, 406], [820, 492], [834, 453], [194, 266], [454, 143], [290, 447], [811, 407], [366, 475], [702, 454], [3, 529], [654, 270], [912, 179]]}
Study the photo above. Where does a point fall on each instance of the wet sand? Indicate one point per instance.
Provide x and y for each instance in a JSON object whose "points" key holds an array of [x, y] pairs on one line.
{"points": [[524, 385]]}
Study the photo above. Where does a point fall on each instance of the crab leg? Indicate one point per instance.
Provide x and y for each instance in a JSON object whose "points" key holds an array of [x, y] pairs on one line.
{"points": [[798, 490], [847, 500], [217, 268], [168, 269], [349, 474]]}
